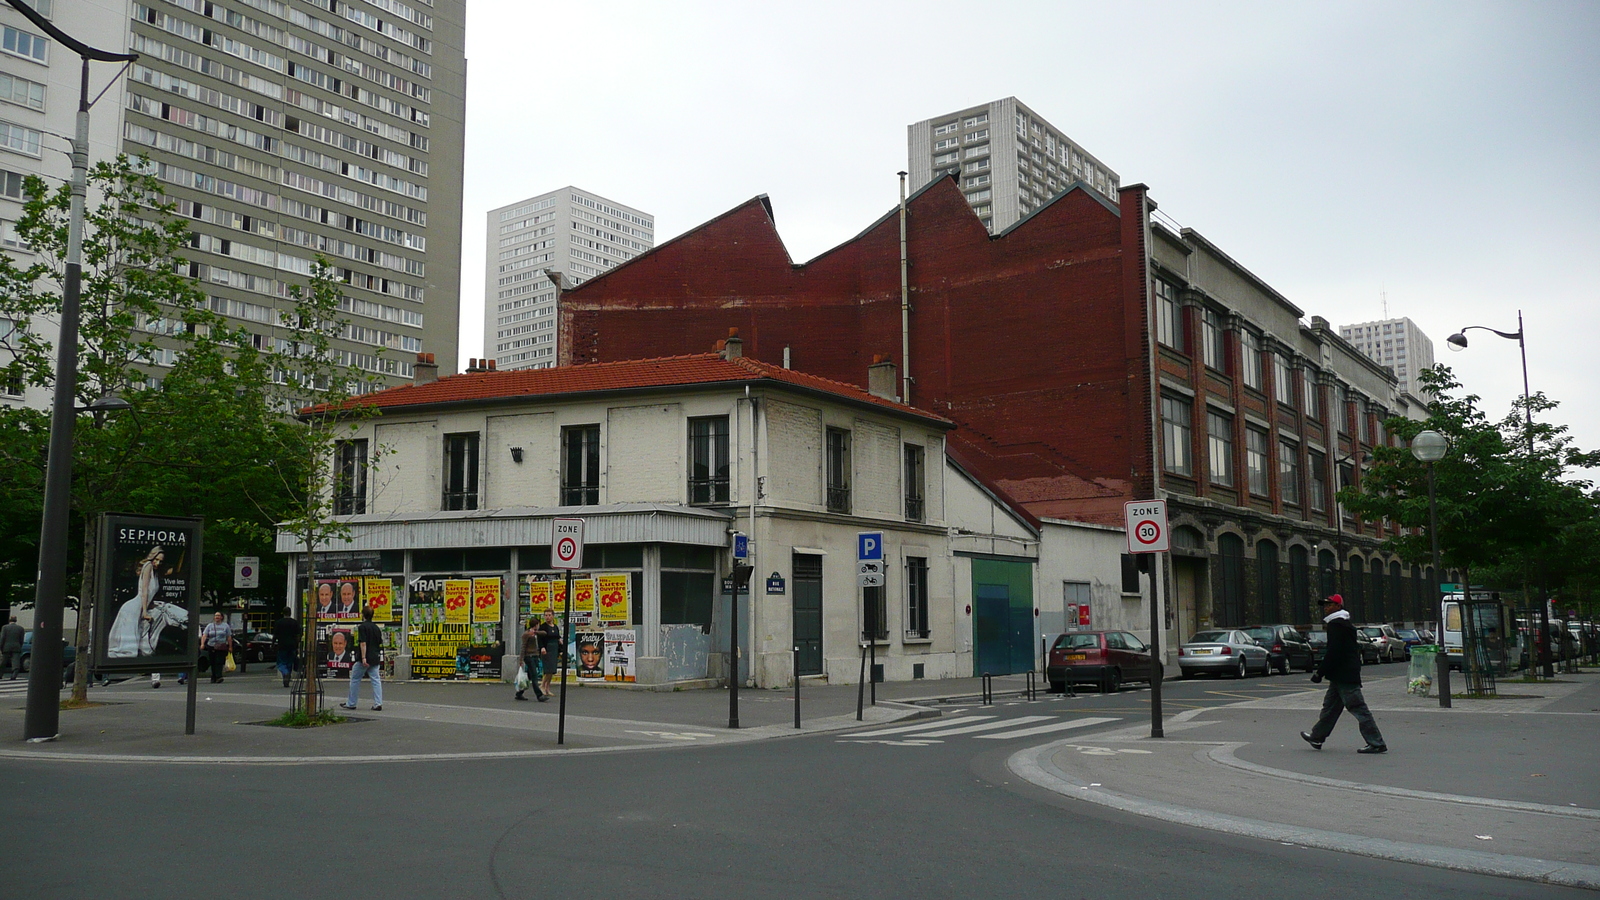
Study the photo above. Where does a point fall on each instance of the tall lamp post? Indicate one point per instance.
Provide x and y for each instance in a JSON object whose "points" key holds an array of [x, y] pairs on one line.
{"points": [[43, 716], [1429, 447], [1458, 342]]}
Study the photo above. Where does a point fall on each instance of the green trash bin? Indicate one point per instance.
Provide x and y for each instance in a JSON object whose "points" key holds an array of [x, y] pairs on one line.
{"points": [[1419, 678]]}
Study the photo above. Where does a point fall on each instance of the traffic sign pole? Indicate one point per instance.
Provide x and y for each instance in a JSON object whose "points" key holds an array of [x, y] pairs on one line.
{"points": [[566, 552], [1146, 522]]}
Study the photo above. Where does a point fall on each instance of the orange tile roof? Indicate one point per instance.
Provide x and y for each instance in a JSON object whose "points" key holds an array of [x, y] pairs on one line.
{"points": [[670, 371]]}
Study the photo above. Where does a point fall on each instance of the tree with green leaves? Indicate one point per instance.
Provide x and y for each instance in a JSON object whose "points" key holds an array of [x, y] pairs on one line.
{"points": [[1504, 510]]}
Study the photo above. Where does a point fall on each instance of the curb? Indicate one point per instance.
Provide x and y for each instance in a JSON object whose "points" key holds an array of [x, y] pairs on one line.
{"points": [[1034, 766]]}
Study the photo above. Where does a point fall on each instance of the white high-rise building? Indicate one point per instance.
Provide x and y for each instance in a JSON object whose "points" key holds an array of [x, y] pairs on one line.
{"points": [[568, 234], [1396, 343], [283, 130], [1009, 159]]}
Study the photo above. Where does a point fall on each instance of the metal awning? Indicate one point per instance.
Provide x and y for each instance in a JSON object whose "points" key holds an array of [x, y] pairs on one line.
{"points": [[617, 523]]}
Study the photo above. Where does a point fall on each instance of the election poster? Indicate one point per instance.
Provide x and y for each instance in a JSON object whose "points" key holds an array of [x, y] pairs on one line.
{"points": [[615, 602], [536, 596], [583, 601], [486, 599], [619, 655], [458, 601]]}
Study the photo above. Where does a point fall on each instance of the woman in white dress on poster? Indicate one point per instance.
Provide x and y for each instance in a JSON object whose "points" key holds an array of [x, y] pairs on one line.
{"points": [[131, 634]]}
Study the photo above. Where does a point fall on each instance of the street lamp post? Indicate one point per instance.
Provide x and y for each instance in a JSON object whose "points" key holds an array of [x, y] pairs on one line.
{"points": [[1429, 447], [1458, 341], [43, 716]]}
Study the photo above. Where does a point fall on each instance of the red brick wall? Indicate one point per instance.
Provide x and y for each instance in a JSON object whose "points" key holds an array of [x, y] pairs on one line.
{"points": [[1034, 341]]}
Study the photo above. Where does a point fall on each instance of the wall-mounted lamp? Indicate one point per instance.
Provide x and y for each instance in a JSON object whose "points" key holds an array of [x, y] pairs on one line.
{"points": [[516, 454]]}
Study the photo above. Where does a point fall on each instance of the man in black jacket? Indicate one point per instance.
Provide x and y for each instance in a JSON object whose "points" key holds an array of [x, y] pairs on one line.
{"points": [[286, 638], [1341, 665]]}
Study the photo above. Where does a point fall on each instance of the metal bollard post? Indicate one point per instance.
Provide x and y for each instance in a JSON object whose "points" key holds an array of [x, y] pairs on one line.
{"points": [[988, 689], [797, 687]]}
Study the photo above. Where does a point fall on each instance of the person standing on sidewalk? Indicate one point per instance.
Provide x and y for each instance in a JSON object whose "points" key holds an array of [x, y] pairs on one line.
{"points": [[286, 639], [1342, 667], [369, 662], [218, 640], [531, 659], [550, 647], [11, 646]]}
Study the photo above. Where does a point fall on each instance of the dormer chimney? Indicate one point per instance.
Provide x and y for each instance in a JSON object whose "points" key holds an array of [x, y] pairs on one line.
{"points": [[733, 347], [881, 380], [426, 370]]}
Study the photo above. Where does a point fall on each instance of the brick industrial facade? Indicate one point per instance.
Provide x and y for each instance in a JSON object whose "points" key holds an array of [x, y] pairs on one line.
{"points": [[1090, 355]]}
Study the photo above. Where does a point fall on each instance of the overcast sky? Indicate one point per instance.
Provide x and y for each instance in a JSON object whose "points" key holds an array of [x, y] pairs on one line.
{"points": [[1443, 154]]}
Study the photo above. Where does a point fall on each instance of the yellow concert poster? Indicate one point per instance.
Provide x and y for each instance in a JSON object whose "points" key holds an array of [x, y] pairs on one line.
{"points": [[582, 601], [615, 608], [486, 599], [378, 594], [458, 601], [538, 597]]}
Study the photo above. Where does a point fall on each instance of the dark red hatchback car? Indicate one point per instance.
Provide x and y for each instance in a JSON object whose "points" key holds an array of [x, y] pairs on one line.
{"points": [[1103, 658]]}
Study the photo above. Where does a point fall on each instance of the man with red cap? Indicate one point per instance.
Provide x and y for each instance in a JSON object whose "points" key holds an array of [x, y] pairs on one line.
{"points": [[1342, 667]]}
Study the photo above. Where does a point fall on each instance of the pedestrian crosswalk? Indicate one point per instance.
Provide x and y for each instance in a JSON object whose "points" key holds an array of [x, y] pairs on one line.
{"points": [[982, 727]]}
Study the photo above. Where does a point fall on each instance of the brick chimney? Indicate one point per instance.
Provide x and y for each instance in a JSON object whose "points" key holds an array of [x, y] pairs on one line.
{"points": [[881, 380], [426, 370], [733, 347]]}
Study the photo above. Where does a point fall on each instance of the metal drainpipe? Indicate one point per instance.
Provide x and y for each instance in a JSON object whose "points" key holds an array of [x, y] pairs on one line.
{"points": [[905, 303], [755, 490]]}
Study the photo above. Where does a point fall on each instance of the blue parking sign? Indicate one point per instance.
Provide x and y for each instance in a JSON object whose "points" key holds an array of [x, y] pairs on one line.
{"points": [[869, 545]]}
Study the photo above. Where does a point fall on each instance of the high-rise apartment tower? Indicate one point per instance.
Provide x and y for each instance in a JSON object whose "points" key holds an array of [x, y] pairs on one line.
{"points": [[568, 234], [1008, 158], [284, 130], [1396, 343]]}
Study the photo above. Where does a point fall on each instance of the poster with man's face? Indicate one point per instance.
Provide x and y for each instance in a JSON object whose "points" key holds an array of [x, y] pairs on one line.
{"points": [[337, 647], [147, 589]]}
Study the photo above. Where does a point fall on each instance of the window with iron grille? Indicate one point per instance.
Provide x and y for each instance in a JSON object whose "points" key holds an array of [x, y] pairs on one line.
{"points": [[461, 471], [350, 478], [917, 596], [580, 465], [914, 456], [708, 460], [838, 466]]}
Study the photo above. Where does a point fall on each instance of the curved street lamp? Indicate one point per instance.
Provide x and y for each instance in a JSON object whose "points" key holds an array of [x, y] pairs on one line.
{"points": [[1429, 447], [1458, 342]]}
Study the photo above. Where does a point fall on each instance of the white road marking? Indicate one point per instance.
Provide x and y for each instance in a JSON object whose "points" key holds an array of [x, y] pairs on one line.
{"points": [[1046, 729], [922, 726], [984, 726]]}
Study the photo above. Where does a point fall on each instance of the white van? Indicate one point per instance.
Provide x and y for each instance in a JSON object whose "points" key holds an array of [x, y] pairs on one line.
{"points": [[1450, 622]]}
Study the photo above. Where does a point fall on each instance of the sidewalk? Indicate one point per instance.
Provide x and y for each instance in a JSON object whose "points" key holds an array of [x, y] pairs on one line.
{"points": [[1503, 787], [419, 721]]}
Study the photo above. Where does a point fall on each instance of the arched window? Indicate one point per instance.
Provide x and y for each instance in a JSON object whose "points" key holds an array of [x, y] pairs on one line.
{"points": [[1267, 578], [1419, 601], [1230, 608], [1327, 574], [1354, 595], [1376, 606], [1299, 585], [1397, 592]]}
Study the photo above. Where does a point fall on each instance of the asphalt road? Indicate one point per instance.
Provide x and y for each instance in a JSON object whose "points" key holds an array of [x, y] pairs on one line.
{"points": [[833, 815]]}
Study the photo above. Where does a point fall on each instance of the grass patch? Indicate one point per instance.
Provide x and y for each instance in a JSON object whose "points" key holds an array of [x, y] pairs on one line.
{"points": [[297, 718]]}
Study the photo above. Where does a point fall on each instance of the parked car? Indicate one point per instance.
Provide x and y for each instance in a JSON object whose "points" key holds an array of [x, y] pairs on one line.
{"points": [[1412, 637], [1390, 645], [259, 646], [1222, 652], [1286, 647], [68, 654], [1104, 658], [1369, 651]]}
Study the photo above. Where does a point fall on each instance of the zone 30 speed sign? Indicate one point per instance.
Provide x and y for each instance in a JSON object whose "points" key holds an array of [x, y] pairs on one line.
{"points": [[1146, 522]]}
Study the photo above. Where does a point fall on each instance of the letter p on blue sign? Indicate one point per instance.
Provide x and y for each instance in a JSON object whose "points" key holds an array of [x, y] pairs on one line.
{"points": [[869, 545]]}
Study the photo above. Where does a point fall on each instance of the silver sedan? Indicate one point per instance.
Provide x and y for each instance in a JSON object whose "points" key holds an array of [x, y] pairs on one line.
{"points": [[1223, 652]]}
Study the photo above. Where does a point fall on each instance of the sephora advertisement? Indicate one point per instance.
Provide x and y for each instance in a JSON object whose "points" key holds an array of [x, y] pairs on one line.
{"points": [[147, 591]]}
